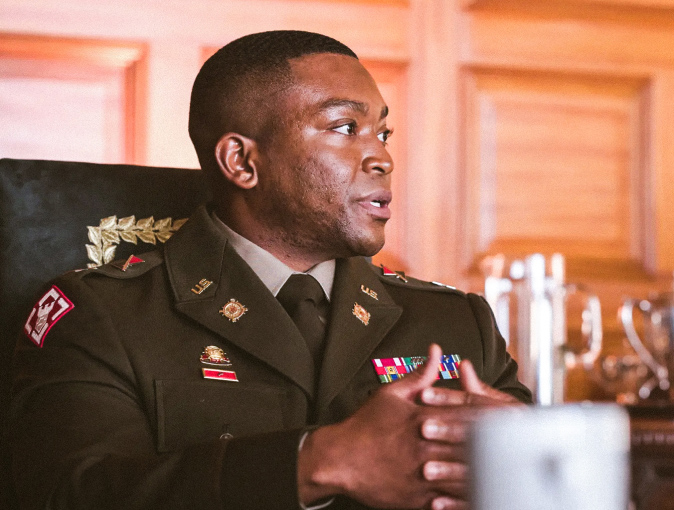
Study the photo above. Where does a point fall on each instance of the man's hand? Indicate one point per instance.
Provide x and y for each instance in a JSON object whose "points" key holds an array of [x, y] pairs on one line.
{"points": [[404, 448], [475, 396]]}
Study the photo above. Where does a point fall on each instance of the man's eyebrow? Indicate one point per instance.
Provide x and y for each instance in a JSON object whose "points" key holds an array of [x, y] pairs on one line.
{"points": [[359, 106]]}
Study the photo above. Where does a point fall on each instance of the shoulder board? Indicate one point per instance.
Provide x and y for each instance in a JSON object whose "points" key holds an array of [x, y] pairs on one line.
{"points": [[399, 278], [123, 269]]}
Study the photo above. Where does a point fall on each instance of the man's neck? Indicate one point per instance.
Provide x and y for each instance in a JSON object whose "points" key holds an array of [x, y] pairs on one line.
{"points": [[272, 271], [295, 258]]}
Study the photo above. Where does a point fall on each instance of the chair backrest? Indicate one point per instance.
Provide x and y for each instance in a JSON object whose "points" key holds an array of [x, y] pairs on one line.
{"points": [[45, 209]]}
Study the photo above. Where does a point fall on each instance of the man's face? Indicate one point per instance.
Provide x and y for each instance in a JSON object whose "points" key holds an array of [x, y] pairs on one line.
{"points": [[324, 183]]}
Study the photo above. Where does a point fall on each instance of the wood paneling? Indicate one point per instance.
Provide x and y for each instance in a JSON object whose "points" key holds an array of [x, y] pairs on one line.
{"points": [[608, 52], [72, 99], [608, 7], [570, 38], [554, 164], [380, 2], [568, 133]]}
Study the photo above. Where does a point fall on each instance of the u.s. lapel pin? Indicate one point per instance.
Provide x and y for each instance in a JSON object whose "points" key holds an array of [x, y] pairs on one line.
{"points": [[200, 287], [124, 265], [233, 310], [361, 313], [388, 272], [369, 292]]}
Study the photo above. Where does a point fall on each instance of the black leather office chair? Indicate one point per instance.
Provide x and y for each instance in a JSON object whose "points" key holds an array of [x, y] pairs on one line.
{"points": [[46, 208]]}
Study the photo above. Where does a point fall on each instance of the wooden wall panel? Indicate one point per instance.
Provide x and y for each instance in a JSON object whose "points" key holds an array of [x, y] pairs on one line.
{"points": [[581, 39], [71, 99], [567, 122], [553, 164], [636, 7]]}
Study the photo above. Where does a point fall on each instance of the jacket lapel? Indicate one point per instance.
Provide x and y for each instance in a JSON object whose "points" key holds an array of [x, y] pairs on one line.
{"points": [[349, 341], [199, 250]]}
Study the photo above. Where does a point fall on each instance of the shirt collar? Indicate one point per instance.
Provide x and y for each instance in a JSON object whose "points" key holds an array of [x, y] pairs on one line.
{"points": [[271, 270]]}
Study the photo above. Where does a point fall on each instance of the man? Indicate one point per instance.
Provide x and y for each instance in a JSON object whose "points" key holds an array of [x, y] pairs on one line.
{"points": [[196, 378]]}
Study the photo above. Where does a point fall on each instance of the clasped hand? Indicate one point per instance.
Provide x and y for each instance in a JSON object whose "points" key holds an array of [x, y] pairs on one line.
{"points": [[405, 447]]}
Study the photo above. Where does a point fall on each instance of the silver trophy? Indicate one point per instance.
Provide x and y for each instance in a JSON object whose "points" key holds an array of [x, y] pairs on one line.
{"points": [[530, 299], [655, 347]]}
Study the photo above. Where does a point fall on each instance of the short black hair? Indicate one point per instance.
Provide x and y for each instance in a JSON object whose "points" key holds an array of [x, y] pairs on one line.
{"points": [[239, 80]]}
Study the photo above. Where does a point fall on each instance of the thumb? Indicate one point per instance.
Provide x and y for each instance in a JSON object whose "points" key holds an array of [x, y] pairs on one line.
{"points": [[471, 383], [423, 377]]}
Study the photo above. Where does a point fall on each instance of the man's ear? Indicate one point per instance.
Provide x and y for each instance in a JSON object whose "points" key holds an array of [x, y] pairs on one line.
{"points": [[237, 158]]}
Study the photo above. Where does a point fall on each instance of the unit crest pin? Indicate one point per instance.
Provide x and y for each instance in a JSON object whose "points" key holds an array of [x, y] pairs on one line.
{"points": [[233, 310], [214, 355], [361, 313]]}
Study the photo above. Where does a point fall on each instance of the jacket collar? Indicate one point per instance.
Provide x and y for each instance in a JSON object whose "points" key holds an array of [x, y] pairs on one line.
{"points": [[268, 268], [199, 250], [350, 341]]}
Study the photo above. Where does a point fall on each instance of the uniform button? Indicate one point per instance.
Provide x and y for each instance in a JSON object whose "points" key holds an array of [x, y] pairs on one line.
{"points": [[225, 432]]}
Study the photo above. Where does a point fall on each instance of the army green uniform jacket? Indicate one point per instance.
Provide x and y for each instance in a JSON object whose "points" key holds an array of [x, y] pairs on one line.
{"points": [[113, 410]]}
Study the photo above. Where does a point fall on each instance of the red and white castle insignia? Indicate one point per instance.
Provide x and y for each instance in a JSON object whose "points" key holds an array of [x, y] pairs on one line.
{"points": [[46, 312], [362, 314]]}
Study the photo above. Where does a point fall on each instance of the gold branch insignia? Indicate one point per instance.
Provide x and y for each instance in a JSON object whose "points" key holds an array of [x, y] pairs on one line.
{"points": [[106, 237]]}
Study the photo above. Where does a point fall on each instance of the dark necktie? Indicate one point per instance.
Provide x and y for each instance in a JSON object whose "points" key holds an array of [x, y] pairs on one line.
{"points": [[301, 297]]}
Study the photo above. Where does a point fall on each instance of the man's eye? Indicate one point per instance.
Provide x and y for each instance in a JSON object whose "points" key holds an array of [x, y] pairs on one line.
{"points": [[346, 129], [385, 135]]}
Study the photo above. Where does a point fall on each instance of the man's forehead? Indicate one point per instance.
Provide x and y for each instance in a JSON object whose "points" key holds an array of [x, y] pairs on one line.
{"points": [[331, 81], [319, 64]]}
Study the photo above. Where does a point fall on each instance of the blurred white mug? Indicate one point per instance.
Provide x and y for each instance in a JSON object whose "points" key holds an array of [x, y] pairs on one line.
{"points": [[573, 456]]}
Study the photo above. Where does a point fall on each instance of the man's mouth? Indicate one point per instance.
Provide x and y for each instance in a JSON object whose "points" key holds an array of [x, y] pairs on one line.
{"points": [[377, 204]]}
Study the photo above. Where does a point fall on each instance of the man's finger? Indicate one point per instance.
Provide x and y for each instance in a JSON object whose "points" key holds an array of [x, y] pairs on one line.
{"points": [[429, 372], [443, 397], [448, 432], [447, 503], [423, 377], [438, 470], [472, 384]]}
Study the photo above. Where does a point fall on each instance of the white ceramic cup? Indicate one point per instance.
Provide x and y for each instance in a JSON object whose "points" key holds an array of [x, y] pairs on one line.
{"points": [[572, 456]]}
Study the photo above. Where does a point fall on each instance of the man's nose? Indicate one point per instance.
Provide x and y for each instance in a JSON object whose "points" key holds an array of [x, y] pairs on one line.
{"points": [[380, 162]]}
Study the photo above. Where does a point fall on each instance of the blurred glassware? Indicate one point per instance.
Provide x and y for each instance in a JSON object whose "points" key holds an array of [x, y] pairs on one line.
{"points": [[655, 347], [622, 376], [530, 300]]}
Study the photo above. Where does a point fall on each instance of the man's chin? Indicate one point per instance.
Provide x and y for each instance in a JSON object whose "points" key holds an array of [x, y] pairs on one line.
{"points": [[368, 247]]}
